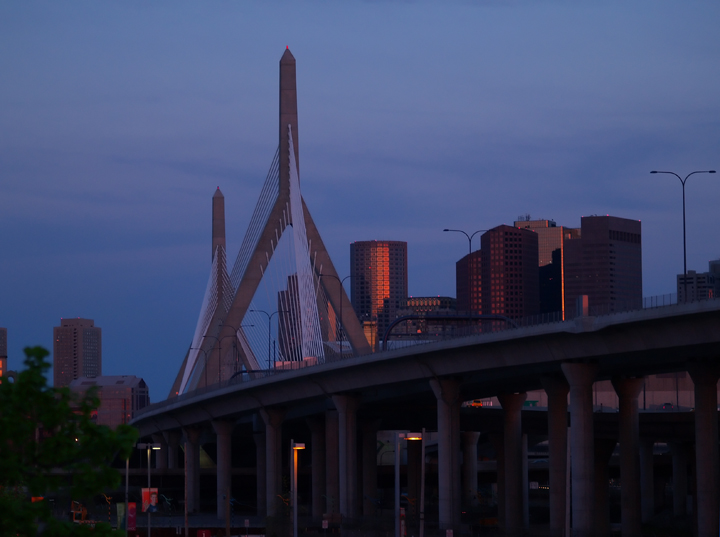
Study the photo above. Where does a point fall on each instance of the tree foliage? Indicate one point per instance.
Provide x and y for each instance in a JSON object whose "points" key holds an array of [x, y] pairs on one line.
{"points": [[49, 443]]}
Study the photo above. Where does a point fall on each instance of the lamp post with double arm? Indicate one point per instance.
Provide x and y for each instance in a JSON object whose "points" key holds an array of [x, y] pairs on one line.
{"points": [[219, 342], [469, 237], [269, 316], [342, 326], [682, 182]]}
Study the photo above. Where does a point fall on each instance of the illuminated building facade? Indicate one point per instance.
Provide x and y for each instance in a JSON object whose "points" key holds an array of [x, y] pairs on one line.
{"points": [[509, 273], [378, 280], [77, 350], [605, 264], [551, 243], [427, 304], [120, 397]]}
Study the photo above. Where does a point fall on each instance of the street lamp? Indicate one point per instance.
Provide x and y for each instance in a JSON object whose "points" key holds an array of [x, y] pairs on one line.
{"points": [[206, 360], [406, 436], [294, 447], [269, 316], [469, 237], [219, 340], [682, 182], [342, 326], [127, 496], [422, 485], [219, 354], [149, 447]]}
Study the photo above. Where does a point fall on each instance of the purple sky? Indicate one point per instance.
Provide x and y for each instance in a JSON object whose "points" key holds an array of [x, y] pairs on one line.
{"points": [[119, 119]]}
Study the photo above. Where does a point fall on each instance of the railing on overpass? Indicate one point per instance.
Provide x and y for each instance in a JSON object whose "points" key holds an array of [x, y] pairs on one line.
{"points": [[487, 327]]}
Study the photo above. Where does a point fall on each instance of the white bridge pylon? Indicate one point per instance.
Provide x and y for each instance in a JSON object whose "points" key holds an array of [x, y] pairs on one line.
{"points": [[282, 276]]}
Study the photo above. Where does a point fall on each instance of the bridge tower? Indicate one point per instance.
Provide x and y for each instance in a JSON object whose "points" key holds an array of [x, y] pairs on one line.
{"points": [[221, 337]]}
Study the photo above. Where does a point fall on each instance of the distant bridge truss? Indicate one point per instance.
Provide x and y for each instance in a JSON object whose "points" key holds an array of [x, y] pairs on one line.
{"points": [[274, 309]]}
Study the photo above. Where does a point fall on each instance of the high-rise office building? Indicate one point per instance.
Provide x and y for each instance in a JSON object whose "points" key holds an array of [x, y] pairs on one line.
{"points": [[695, 286], [3, 351], [605, 264], [121, 396], [378, 280], [77, 350], [502, 277], [699, 285], [551, 242], [3, 342], [510, 281], [714, 269], [468, 283]]}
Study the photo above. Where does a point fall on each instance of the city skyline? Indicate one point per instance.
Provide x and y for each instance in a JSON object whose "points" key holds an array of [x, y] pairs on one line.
{"points": [[120, 122]]}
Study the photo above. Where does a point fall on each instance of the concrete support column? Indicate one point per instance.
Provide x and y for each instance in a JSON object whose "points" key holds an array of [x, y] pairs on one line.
{"points": [[273, 418], [261, 473], [332, 464], [498, 444], [172, 439], [680, 478], [603, 451], [705, 377], [647, 479], [582, 446], [447, 393], [161, 455], [470, 468], [347, 450], [557, 390], [628, 390], [369, 465], [512, 404], [317, 447], [192, 454], [223, 431]]}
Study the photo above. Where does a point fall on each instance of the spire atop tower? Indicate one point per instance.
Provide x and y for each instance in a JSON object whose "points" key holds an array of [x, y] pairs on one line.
{"points": [[218, 222], [288, 116]]}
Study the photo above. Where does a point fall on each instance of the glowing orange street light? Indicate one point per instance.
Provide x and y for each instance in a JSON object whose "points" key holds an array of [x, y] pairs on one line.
{"points": [[295, 447]]}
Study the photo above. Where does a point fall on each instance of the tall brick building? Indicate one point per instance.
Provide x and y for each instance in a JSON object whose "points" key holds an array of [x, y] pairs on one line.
{"points": [[77, 350], [605, 264], [510, 281], [502, 277], [551, 253], [468, 283], [121, 396]]}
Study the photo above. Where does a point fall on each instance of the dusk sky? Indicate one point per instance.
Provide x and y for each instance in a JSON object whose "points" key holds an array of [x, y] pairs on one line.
{"points": [[118, 120]]}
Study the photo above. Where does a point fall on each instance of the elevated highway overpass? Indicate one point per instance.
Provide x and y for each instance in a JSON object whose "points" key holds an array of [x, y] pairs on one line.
{"points": [[557, 357]]}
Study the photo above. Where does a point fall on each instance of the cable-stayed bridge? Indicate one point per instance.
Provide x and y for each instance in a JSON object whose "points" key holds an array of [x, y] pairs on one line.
{"points": [[339, 407]]}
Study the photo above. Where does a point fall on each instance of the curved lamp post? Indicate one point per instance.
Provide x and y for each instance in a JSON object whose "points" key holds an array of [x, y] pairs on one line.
{"points": [[269, 316], [682, 182], [342, 326], [469, 237], [206, 360], [219, 341]]}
